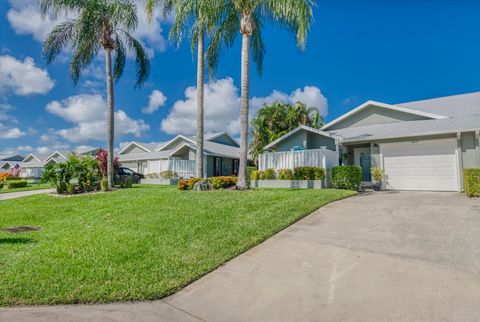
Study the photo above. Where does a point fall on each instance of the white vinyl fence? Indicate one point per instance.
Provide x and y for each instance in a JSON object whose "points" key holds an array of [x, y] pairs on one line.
{"points": [[184, 168], [323, 158]]}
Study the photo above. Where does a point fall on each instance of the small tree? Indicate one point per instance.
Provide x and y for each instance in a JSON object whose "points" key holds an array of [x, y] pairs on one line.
{"points": [[102, 159]]}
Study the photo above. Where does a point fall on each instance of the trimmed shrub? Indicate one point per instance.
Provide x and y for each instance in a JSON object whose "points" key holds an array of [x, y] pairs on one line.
{"points": [[346, 177], [168, 175], [268, 174], [472, 182], [223, 182], [285, 174], [71, 189], [104, 184], [1, 185], [309, 173], [256, 175], [17, 184], [250, 171], [8, 178]]}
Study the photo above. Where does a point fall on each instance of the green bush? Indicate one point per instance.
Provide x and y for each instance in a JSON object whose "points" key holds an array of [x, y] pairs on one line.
{"points": [[256, 175], [11, 178], [472, 182], [71, 189], [285, 174], [128, 182], [309, 173], [1, 185], [223, 182], [268, 174], [17, 184], [168, 175], [104, 184], [346, 177], [250, 171]]}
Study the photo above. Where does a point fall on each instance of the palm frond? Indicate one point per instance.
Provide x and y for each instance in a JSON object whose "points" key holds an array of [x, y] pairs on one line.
{"points": [[141, 58], [120, 58], [58, 39]]}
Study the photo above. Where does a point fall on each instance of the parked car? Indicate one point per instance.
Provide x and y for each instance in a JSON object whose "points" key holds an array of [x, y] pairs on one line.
{"points": [[126, 172]]}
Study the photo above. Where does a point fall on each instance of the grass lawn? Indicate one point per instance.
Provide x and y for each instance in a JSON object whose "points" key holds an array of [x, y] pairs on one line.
{"points": [[29, 187], [136, 244]]}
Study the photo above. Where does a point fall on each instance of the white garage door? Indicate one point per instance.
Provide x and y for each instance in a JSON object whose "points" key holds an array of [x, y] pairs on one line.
{"points": [[422, 165]]}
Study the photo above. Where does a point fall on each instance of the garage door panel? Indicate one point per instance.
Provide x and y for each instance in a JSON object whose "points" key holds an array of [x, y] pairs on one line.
{"points": [[425, 165]]}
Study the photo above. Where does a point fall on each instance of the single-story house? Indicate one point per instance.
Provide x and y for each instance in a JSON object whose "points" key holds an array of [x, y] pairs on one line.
{"points": [[34, 164], [222, 154], [421, 145]]}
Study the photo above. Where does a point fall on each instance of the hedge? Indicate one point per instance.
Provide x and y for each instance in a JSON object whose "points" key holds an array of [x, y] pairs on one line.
{"points": [[1, 185], [17, 184], [346, 177], [285, 174], [223, 182], [309, 173], [299, 173], [472, 182]]}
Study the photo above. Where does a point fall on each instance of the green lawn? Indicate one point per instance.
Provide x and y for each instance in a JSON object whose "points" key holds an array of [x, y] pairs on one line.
{"points": [[135, 244], [31, 186]]}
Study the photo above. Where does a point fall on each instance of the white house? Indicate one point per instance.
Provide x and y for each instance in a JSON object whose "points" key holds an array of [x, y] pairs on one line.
{"points": [[221, 151]]}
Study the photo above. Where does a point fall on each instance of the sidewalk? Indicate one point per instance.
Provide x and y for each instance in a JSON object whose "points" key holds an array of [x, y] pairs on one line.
{"points": [[20, 194]]}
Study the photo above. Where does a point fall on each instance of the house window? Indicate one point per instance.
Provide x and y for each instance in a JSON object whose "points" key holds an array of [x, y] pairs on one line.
{"points": [[235, 167], [217, 167]]}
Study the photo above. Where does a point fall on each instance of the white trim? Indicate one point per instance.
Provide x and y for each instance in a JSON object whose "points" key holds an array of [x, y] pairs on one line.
{"points": [[136, 144], [181, 147], [56, 152], [301, 127], [31, 155], [385, 106], [173, 140]]}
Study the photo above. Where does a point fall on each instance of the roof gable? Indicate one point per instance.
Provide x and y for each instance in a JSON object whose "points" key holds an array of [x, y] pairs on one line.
{"points": [[135, 147], [32, 157], [372, 112], [179, 139], [298, 129], [223, 138]]}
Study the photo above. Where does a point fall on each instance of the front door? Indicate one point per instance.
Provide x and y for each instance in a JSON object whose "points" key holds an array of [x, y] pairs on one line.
{"points": [[363, 158]]}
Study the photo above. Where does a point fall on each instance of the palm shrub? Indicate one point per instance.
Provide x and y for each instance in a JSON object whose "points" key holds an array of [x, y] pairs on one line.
{"points": [[97, 25], [346, 177]]}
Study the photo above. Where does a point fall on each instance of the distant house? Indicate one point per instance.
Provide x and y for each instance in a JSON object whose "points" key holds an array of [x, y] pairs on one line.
{"points": [[34, 164], [221, 151], [422, 145], [7, 162]]}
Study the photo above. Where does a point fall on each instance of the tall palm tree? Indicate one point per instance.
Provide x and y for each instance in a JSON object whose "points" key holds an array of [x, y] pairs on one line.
{"points": [[275, 120], [197, 18], [97, 24], [248, 16]]}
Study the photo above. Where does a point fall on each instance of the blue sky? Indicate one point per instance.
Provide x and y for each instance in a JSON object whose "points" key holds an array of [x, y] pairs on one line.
{"points": [[357, 51]]}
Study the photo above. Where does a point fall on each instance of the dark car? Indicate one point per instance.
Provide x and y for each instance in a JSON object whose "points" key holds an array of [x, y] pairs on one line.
{"points": [[126, 172]]}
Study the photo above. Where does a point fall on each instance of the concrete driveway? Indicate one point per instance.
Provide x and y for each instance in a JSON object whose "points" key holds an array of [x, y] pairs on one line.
{"points": [[407, 256]]}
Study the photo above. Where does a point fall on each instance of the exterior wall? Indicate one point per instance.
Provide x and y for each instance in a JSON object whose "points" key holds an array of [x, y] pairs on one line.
{"points": [[375, 115], [470, 150], [227, 166], [131, 165], [316, 141], [297, 139]]}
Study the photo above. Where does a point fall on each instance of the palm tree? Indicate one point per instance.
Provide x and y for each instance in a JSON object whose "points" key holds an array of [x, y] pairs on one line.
{"points": [[275, 120], [247, 16], [97, 24], [198, 17]]}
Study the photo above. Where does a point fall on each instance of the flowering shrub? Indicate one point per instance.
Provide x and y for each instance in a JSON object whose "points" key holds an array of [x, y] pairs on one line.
{"points": [[187, 184], [223, 182], [102, 158], [4, 175]]}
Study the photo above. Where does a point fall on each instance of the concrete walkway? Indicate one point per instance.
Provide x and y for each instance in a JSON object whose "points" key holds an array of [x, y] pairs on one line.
{"points": [[20, 194], [374, 257]]}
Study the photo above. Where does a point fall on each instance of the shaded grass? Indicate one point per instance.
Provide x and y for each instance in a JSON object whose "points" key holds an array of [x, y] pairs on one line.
{"points": [[29, 187], [135, 244]]}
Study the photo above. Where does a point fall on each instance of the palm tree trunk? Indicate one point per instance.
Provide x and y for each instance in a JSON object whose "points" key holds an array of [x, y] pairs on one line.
{"points": [[200, 107], [110, 116], [242, 173]]}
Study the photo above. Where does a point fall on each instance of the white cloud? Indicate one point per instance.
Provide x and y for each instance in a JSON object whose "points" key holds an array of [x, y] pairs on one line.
{"points": [[222, 107], [88, 113], [23, 77], [7, 132], [310, 95], [156, 100], [25, 19], [22, 149], [221, 110]]}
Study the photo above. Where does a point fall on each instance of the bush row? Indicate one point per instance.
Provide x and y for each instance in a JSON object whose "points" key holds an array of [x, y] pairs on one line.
{"points": [[16, 184], [299, 173], [210, 183], [472, 182]]}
